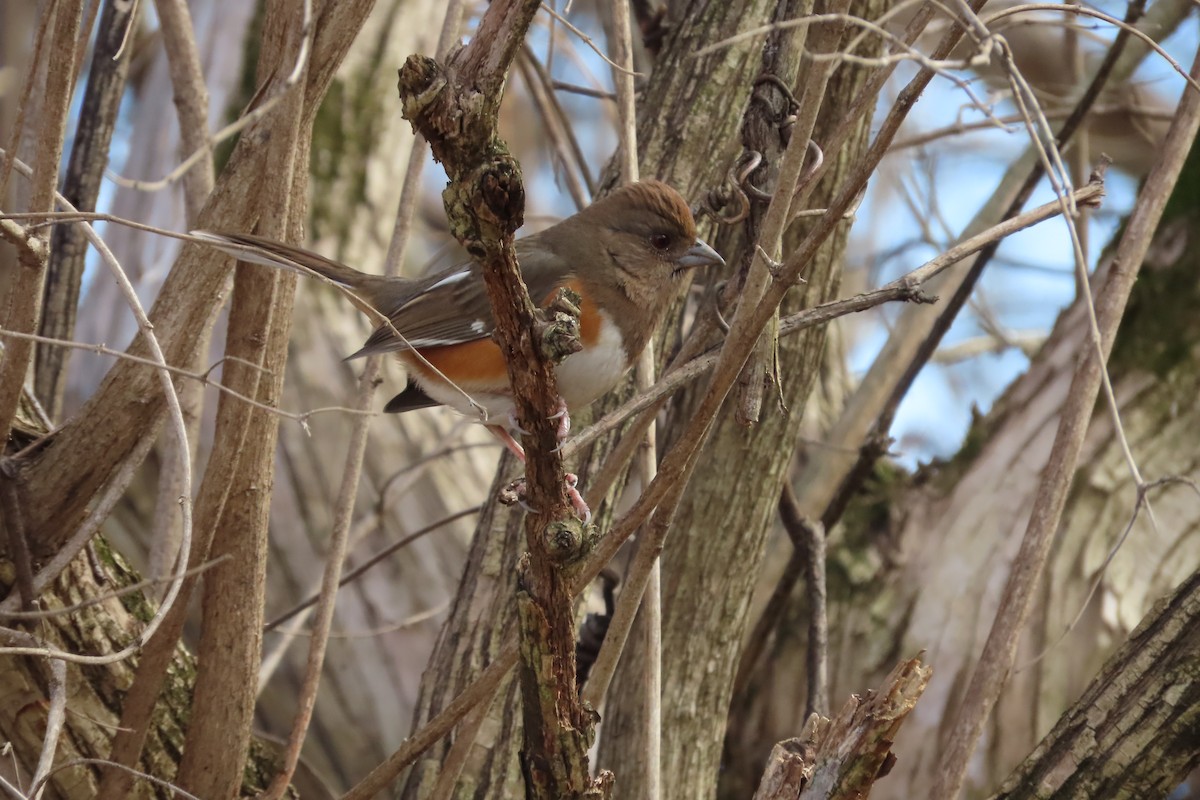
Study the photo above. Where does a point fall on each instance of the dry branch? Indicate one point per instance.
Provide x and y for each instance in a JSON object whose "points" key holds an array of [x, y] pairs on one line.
{"points": [[840, 759], [24, 301], [89, 155]]}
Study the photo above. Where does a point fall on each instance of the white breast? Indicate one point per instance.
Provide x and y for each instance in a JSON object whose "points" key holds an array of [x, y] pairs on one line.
{"points": [[586, 375]]}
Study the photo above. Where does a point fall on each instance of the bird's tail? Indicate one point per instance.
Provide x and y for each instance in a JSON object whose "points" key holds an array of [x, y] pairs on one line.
{"points": [[247, 247]]}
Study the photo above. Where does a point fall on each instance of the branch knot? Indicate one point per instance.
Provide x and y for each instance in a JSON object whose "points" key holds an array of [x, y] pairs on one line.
{"points": [[559, 331]]}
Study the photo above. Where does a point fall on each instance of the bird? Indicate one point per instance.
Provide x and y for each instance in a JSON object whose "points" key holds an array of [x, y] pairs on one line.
{"points": [[622, 255]]}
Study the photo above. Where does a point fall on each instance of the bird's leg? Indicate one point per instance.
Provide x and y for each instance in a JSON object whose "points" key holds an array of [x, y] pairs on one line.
{"points": [[508, 441], [570, 479]]}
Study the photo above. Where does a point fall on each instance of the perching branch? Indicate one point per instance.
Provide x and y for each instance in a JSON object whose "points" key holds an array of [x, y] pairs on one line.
{"points": [[454, 106]]}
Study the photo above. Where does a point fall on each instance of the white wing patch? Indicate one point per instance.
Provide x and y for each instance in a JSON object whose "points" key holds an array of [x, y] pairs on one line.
{"points": [[453, 277]]}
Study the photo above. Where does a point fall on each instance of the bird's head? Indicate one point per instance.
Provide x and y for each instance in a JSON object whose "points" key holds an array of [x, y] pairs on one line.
{"points": [[647, 235]]}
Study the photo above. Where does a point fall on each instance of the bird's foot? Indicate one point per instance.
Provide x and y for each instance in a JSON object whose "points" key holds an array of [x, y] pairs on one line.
{"points": [[515, 492], [577, 502]]}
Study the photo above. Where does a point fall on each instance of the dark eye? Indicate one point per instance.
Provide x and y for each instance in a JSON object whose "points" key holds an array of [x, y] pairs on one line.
{"points": [[660, 241]]}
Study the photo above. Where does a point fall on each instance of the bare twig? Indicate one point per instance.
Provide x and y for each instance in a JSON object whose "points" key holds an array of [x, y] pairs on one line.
{"points": [[81, 185], [101, 598], [63, 556], [203, 377], [808, 537], [479, 690], [824, 486], [191, 100], [261, 105], [485, 202], [25, 291], [167, 785], [55, 719], [260, 317], [586, 40], [334, 561], [557, 128], [676, 464], [355, 573], [904, 288], [468, 731], [40, 37], [645, 464]]}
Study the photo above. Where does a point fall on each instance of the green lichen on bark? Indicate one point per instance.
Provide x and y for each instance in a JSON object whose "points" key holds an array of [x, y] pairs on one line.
{"points": [[1160, 328], [344, 132]]}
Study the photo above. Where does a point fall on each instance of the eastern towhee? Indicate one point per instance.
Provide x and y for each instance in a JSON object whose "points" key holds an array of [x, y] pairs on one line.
{"points": [[622, 254]]}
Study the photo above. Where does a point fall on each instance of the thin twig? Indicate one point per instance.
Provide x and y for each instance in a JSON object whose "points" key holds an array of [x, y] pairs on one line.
{"points": [[92, 137], [482, 688], [78, 762], [110, 595], [55, 718], [330, 580], [645, 465], [191, 100], [358, 571], [557, 130], [586, 40], [808, 536], [901, 289], [260, 108], [24, 302], [674, 465], [468, 731], [299, 417]]}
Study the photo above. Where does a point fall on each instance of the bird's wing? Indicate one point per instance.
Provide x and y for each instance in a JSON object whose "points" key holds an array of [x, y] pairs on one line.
{"points": [[452, 306]]}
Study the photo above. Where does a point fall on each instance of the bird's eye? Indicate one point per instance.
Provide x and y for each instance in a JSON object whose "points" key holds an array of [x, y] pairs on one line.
{"points": [[660, 241]]}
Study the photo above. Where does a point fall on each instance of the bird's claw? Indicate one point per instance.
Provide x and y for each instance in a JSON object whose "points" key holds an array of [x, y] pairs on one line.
{"points": [[564, 420], [514, 424]]}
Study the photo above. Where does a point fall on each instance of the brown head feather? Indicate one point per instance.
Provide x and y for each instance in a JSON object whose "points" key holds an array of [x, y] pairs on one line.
{"points": [[651, 201]]}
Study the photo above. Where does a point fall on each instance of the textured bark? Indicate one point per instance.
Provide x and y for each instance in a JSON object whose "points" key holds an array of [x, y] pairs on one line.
{"points": [[419, 468], [481, 621], [21, 308], [96, 694], [260, 321], [1135, 732], [919, 563], [109, 443]]}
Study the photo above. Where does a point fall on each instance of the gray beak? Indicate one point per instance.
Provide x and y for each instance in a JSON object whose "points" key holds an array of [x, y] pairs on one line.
{"points": [[700, 255]]}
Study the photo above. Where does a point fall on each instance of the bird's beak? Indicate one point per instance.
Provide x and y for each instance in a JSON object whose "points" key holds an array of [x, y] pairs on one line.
{"points": [[700, 255]]}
